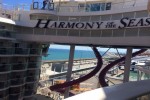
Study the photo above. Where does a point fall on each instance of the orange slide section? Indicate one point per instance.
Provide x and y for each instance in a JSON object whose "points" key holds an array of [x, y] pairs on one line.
{"points": [[61, 87], [109, 66]]}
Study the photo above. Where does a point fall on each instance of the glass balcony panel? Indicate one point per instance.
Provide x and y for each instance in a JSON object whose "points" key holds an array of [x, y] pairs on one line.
{"points": [[35, 51], [5, 67], [33, 72], [14, 82], [5, 33], [4, 85], [3, 51], [31, 79], [16, 90], [6, 51], [4, 77], [29, 92], [18, 75], [3, 94], [33, 65], [31, 86], [16, 96], [21, 51], [10, 51], [19, 66], [29, 98]]}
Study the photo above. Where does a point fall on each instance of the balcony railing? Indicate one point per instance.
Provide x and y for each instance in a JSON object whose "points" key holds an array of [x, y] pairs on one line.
{"points": [[32, 79], [16, 90], [6, 33], [35, 51], [18, 96], [30, 86], [4, 94], [4, 84], [19, 51], [5, 67], [33, 72], [143, 72], [5, 51], [9, 11], [86, 6], [32, 65], [17, 81], [29, 92], [18, 74], [19, 66]]}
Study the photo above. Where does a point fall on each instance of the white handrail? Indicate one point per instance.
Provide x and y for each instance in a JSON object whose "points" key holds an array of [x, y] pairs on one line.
{"points": [[124, 91], [143, 70]]}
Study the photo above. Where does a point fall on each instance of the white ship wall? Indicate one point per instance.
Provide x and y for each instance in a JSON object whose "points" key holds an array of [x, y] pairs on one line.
{"points": [[132, 36]]}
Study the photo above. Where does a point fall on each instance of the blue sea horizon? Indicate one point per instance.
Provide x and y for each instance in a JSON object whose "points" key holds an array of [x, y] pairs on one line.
{"points": [[63, 54]]}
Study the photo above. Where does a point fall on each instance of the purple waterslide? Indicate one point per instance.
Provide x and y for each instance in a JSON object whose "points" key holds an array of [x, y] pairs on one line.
{"points": [[109, 66], [58, 87]]}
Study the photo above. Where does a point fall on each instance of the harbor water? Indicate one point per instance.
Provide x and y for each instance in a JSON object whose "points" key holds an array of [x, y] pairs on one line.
{"points": [[63, 54]]}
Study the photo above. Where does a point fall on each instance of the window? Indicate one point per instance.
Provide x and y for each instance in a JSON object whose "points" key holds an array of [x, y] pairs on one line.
{"points": [[81, 7], [102, 6], [95, 7], [35, 5], [108, 6], [87, 7]]}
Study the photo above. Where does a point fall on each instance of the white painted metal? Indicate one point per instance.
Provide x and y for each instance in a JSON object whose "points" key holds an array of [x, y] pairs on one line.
{"points": [[126, 91]]}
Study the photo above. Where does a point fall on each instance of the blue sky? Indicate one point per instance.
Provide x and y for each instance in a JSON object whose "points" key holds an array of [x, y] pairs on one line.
{"points": [[15, 2]]}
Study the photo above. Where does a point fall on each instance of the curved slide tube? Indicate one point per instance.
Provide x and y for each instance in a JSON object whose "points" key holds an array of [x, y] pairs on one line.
{"points": [[58, 87], [109, 66]]}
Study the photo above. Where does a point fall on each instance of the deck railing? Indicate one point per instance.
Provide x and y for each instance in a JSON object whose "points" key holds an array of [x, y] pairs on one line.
{"points": [[9, 11], [143, 72], [19, 51], [89, 6]]}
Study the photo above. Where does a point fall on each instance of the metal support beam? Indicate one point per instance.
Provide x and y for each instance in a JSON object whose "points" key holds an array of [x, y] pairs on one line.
{"points": [[127, 64], [118, 53], [106, 52], [69, 71]]}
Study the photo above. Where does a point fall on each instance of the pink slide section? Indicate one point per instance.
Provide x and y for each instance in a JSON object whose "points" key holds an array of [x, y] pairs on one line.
{"points": [[58, 87], [109, 66]]}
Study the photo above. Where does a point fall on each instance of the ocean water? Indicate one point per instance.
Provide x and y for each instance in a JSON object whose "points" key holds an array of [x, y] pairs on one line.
{"points": [[63, 54]]}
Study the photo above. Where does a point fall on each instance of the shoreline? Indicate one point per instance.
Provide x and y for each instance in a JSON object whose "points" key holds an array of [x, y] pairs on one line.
{"points": [[51, 61]]}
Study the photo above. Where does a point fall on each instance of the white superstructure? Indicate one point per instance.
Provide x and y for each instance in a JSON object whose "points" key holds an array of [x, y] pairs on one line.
{"points": [[27, 31]]}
